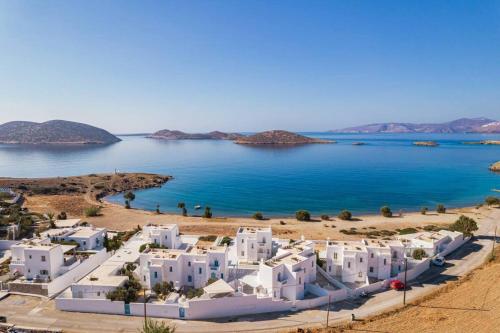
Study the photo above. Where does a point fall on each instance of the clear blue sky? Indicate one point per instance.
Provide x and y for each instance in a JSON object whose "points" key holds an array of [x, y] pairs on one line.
{"points": [[131, 66]]}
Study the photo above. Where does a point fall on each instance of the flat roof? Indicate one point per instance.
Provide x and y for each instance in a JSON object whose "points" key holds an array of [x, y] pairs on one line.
{"points": [[253, 230], [67, 223], [86, 232]]}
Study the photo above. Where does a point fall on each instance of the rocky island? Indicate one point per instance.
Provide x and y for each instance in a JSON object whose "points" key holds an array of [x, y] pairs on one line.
{"points": [[278, 137], [179, 135], [53, 132], [426, 143], [484, 142], [495, 167]]}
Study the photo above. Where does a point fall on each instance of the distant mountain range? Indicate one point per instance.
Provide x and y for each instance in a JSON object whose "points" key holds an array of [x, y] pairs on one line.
{"points": [[178, 135], [278, 137], [463, 125], [53, 132]]}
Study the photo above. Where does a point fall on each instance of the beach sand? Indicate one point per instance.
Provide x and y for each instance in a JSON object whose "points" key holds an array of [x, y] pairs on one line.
{"points": [[115, 217]]}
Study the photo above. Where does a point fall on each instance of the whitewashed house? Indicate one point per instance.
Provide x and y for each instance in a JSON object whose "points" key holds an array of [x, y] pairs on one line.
{"points": [[286, 274], [87, 238], [432, 242], [41, 260], [357, 261], [191, 266], [164, 235], [254, 243]]}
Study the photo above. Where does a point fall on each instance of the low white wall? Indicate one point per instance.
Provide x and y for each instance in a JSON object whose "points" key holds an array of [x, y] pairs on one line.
{"points": [[64, 281], [234, 306], [90, 305], [415, 271], [453, 245], [155, 310]]}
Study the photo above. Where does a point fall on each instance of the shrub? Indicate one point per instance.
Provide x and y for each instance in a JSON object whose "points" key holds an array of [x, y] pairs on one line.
{"points": [[62, 216], [258, 216], [325, 217], [419, 254], [208, 238], [345, 215], [424, 210], [386, 211], [465, 225], [492, 201], [92, 211], [303, 215], [282, 222], [129, 196], [407, 231], [226, 240], [208, 213], [441, 209], [153, 326]]}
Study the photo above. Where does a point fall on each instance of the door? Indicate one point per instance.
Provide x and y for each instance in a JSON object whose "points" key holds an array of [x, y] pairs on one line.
{"points": [[181, 312], [127, 309]]}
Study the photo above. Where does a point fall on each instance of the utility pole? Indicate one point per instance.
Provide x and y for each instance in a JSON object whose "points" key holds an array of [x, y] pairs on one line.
{"points": [[328, 311], [494, 241], [145, 306], [404, 289]]}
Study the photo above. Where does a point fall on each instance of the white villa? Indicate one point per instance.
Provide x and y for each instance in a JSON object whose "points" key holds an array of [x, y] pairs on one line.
{"points": [[192, 265], [286, 274], [254, 244], [357, 261], [88, 238], [39, 259], [432, 242], [166, 235]]}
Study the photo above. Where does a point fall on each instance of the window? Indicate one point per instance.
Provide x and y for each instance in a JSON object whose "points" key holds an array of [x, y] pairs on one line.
{"points": [[242, 253], [371, 269], [98, 293], [144, 278], [349, 264], [43, 258], [97, 241], [166, 237], [189, 263], [312, 263], [372, 255], [360, 274], [399, 268], [329, 268], [171, 269], [156, 275], [385, 261], [29, 256], [242, 240], [44, 272], [84, 242], [252, 246], [222, 275], [264, 240], [335, 255], [199, 270], [216, 263], [190, 278], [360, 259], [394, 254], [300, 280]]}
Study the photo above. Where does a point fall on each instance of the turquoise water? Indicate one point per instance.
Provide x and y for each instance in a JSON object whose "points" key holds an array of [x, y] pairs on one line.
{"points": [[240, 180]]}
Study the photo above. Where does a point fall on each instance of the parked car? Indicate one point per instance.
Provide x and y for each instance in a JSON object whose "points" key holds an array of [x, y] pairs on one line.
{"points": [[438, 261], [397, 285]]}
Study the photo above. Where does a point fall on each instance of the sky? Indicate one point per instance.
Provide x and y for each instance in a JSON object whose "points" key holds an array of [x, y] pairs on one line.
{"points": [[141, 66]]}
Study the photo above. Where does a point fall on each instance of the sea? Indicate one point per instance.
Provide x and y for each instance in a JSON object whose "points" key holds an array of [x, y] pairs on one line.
{"points": [[239, 180]]}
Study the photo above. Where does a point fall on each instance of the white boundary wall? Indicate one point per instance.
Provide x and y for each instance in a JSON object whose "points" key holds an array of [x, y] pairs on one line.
{"points": [[64, 281], [6, 244], [453, 245]]}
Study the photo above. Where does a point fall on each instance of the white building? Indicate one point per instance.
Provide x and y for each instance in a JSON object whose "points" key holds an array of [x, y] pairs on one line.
{"points": [[254, 243], [286, 274], [165, 235], [357, 261], [432, 242], [87, 238], [41, 260], [191, 266]]}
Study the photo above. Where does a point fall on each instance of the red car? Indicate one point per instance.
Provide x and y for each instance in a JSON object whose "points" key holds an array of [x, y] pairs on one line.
{"points": [[397, 285]]}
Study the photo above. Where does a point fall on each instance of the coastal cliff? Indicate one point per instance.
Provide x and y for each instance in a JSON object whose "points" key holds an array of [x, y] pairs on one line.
{"points": [[53, 132], [278, 137]]}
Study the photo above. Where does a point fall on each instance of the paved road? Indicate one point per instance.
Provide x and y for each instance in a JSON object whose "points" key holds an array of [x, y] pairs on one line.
{"points": [[31, 311]]}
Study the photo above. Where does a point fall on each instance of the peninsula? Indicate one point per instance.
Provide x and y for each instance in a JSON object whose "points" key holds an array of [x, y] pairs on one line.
{"points": [[54, 132], [179, 135], [278, 137], [463, 125]]}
